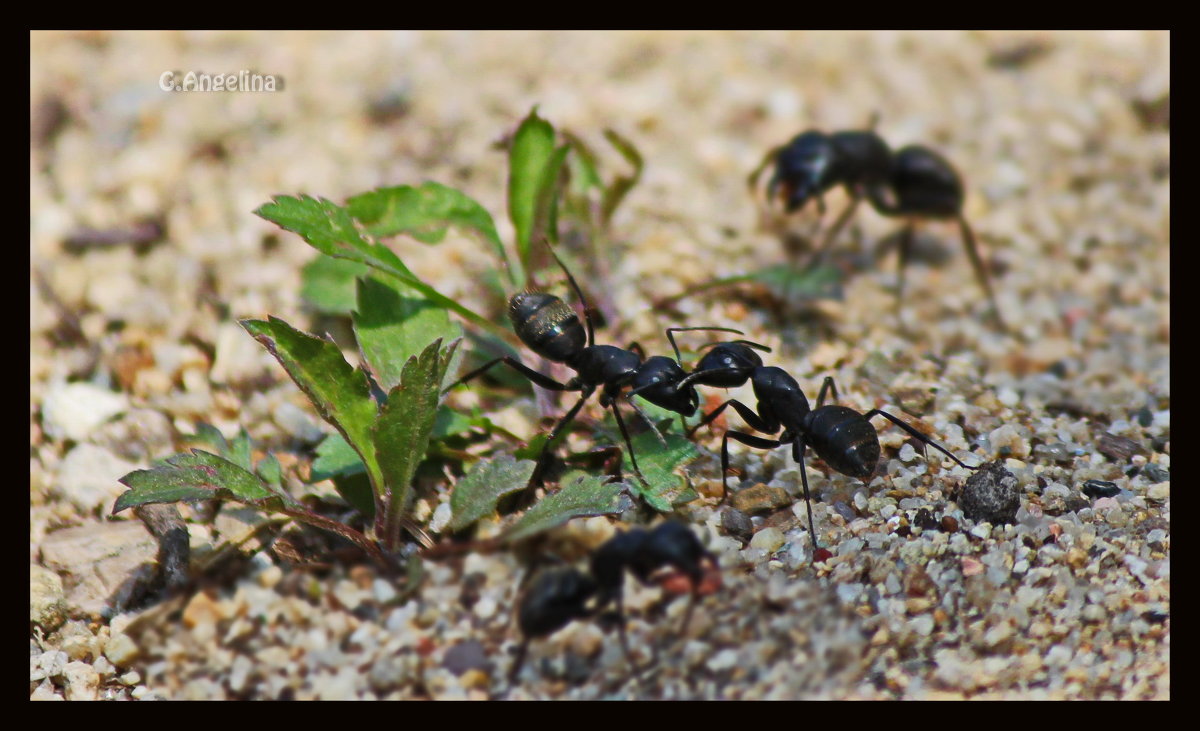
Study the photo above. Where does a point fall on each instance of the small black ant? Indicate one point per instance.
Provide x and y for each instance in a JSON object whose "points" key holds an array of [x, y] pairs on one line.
{"points": [[914, 182], [841, 436], [669, 555]]}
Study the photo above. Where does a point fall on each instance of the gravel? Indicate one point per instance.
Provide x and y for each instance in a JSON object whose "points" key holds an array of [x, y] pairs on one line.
{"points": [[1053, 583]]}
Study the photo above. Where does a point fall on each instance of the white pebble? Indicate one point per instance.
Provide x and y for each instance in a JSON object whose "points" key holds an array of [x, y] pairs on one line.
{"points": [[73, 410]]}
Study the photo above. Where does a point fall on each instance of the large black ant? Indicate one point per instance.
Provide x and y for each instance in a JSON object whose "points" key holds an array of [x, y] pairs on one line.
{"points": [[551, 328], [841, 436], [669, 555], [914, 182]]}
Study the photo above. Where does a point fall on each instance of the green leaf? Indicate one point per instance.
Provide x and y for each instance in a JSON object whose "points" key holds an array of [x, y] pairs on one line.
{"points": [[340, 393], [336, 457], [587, 496], [330, 229], [239, 451], [658, 465], [198, 475], [425, 213], [327, 284], [476, 494], [786, 281], [585, 174], [392, 327], [615, 193], [336, 460], [531, 152], [401, 436], [545, 219], [210, 436], [271, 472]]}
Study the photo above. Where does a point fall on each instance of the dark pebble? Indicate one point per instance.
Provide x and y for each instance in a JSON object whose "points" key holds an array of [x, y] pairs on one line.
{"points": [[737, 524], [925, 520], [1155, 474], [1100, 488], [949, 524], [466, 655], [471, 586], [845, 510], [1144, 416], [1119, 448], [1155, 617], [991, 494], [578, 669]]}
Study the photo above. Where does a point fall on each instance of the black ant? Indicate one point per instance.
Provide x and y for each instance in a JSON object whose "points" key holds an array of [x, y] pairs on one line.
{"points": [[841, 436], [550, 328], [914, 182], [669, 555], [664, 383]]}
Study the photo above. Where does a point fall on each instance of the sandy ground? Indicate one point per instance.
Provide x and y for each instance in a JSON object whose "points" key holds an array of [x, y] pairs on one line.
{"points": [[1063, 141]]}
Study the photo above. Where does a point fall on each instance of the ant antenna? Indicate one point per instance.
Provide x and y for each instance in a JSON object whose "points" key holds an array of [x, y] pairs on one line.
{"points": [[587, 313]]}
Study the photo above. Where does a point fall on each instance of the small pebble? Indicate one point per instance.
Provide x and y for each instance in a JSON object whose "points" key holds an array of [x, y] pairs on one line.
{"points": [[1100, 488], [1155, 474], [767, 539], [82, 682], [760, 499], [121, 650], [737, 523], [991, 494]]}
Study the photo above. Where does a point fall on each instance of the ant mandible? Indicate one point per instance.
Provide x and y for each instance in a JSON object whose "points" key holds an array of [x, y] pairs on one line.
{"points": [[914, 183], [661, 555], [841, 436]]}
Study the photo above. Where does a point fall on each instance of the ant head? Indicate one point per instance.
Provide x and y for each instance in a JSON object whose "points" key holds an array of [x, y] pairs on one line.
{"points": [[547, 325], [727, 365], [657, 381], [803, 169], [671, 544]]}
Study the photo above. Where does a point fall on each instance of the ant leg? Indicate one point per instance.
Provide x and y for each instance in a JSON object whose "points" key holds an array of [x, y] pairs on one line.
{"points": [[540, 379], [834, 230], [518, 662], [798, 448], [623, 636], [646, 418], [749, 440], [536, 477], [917, 435], [752, 180], [968, 238], [628, 444], [906, 240], [756, 423], [828, 385]]}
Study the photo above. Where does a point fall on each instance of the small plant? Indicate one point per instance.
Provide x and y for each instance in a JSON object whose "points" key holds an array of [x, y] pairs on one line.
{"points": [[387, 412]]}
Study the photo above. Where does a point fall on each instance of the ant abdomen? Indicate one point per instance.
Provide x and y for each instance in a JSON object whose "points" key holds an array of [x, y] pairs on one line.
{"points": [[844, 439], [554, 600], [925, 184], [547, 325]]}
